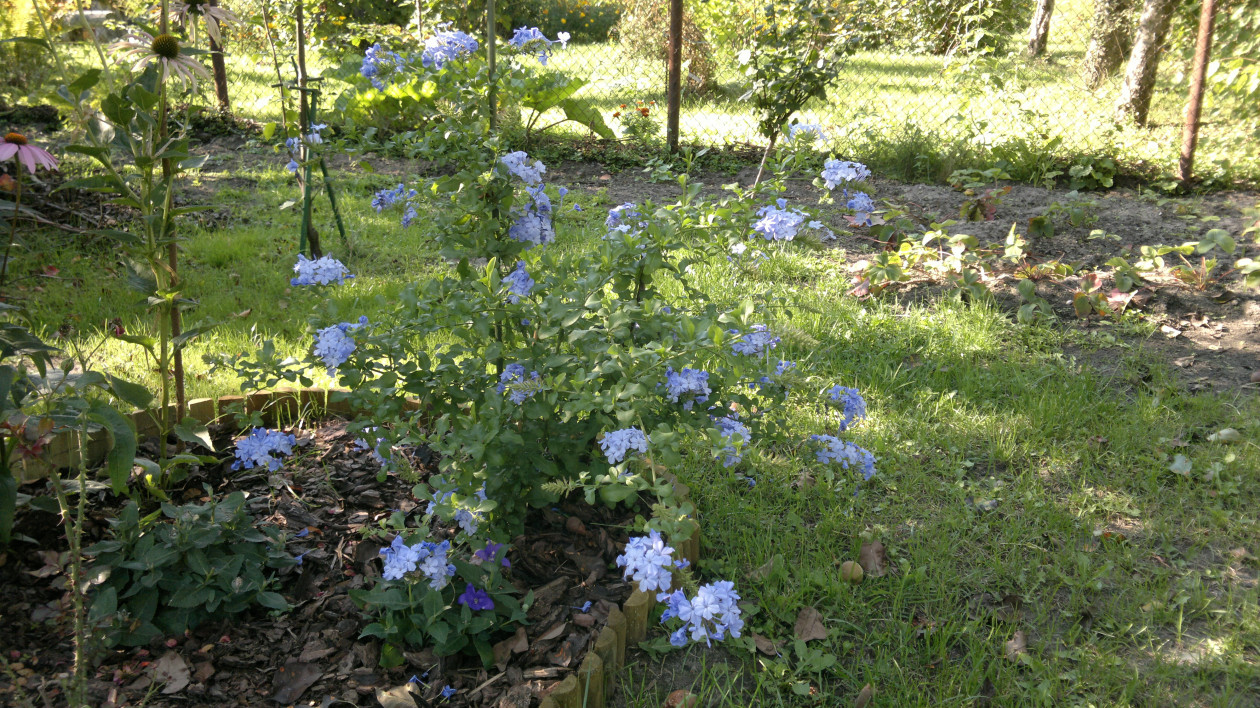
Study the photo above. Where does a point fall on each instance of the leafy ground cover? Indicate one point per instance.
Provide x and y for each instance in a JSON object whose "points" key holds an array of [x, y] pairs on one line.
{"points": [[1062, 521]]}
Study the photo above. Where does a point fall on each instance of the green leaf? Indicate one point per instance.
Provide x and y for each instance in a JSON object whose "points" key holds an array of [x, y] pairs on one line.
{"points": [[191, 430], [34, 41], [122, 453], [135, 394], [269, 130], [8, 506], [272, 601], [583, 113]]}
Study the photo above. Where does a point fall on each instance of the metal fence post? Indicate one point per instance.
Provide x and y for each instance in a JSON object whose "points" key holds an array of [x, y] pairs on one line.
{"points": [[674, 96], [490, 35], [1194, 108]]}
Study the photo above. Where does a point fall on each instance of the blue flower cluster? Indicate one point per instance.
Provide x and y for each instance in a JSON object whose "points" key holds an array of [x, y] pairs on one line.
{"points": [[738, 434], [756, 342], [829, 449], [688, 382], [518, 164], [532, 39], [783, 366], [446, 46], [837, 172], [315, 137], [427, 557], [518, 283], [519, 388], [379, 63], [812, 131], [647, 561], [334, 344], [850, 402], [263, 448], [465, 517], [322, 271], [778, 223], [617, 444], [386, 198], [619, 214], [711, 615], [861, 202]]}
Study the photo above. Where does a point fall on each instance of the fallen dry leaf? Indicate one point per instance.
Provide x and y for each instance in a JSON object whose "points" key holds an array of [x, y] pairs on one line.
{"points": [[764, 645], [292, 680], [809, 625], [864, 697], [682, 698], [172, 670], [1017, 646], [874, 559], [396, 697]]}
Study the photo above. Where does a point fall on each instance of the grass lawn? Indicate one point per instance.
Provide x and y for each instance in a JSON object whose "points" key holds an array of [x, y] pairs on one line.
{"points": [[1021, 491]]}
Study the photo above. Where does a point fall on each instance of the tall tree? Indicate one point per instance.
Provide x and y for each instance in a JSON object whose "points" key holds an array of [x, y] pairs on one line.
{"points": [[1039, 30], [1110, 39], [1139, 76]]}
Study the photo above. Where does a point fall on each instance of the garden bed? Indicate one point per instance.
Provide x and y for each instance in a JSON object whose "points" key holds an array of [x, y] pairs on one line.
{"points": [[325, 500]]}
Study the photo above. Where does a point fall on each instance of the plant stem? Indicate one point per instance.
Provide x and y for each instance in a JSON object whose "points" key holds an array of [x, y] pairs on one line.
{"points": [[17, 206], [73, 523]]}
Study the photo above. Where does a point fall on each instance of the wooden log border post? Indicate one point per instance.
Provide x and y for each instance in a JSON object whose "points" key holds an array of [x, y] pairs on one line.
{"points": [[590, 686]]}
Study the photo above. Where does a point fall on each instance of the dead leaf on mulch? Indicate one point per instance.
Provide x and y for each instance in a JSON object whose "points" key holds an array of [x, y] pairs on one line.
{"points": [[1016, 647], [764, 645], [516, 644], [874, 559], [172, 670], [682, 698], [396, 697], [809, 625], [293, 679]]}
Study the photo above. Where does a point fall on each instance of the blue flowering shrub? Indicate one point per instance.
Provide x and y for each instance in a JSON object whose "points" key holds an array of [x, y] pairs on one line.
{"points": [[405, 91], [541, 372]]}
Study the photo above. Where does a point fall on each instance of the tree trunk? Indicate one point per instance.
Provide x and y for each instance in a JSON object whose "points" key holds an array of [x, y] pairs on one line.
{"points": [[1039, 31], [1109, 40], [220, 72], [1139, 76]]}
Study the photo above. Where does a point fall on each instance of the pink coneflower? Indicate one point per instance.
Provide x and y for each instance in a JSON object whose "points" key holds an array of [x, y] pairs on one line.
{"points": [[163, 49], [29, 155], [212, 14]]}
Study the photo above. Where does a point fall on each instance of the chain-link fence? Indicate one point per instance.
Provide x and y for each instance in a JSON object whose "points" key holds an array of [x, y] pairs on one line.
{"points": [[1037, 87]]}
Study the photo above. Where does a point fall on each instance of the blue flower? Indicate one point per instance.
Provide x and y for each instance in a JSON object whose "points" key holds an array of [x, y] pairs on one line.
{"points": [[399, 559], [861, 202], [619, 442], [778, 223], [448, 691], [334, 345], [389, 197], [519, 388], [737, 433], [475, 599], [756, 342], [518, 283], [533, 228], [409, 215], [836, 172], [711, 615], [829, 449], [322, 271], [806, 130], [517, 163], [618, 214], [491, 552], [647, 561], [378, 62], [263, 448], [292, 166], [783, 366], [688, 382], [850, 402], [446, 46], [303, 533], [293, 144], [532, 39]]}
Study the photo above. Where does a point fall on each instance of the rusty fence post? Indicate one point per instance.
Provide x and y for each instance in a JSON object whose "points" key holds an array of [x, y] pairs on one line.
{"points": [[1194, 107], [674, 95]]}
